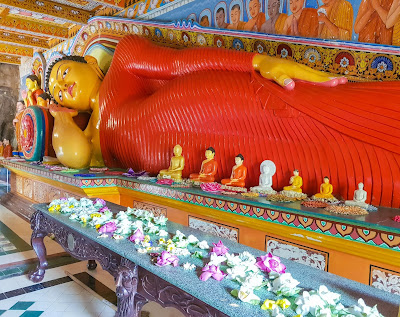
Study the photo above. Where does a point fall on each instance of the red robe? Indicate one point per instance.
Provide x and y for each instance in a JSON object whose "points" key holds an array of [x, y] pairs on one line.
{"points": [[154, 97]]}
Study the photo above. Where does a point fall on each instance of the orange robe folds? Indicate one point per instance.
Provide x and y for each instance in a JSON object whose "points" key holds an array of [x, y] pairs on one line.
{"points": [[240, 174], [341, 15], [239, 27], [259, 21], [1, 150], [209, 169], [307, 24], [17, 129], [35, 95], [7, 151], [280, 23], [375, 30]]}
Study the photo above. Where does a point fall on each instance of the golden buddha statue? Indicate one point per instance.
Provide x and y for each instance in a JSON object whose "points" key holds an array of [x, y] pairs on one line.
{"points": [[17, 122], [208, 168], [176, 166], [7, 152], [325, 190], [33, 84], [43, 100], [1, 149], [239, 174], [295, 183]]}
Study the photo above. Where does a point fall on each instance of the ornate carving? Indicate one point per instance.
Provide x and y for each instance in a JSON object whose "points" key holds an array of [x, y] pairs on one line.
{"points": [[156, 210], [385, 280], [156, 289], [219, 230]]}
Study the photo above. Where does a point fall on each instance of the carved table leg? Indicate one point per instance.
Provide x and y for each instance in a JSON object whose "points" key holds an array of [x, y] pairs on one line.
{"points": [[130, 303], [40, 249], [91, 265]]}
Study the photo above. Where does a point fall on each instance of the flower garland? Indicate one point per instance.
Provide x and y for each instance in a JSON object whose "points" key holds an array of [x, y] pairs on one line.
{"points": [[251, 273]]}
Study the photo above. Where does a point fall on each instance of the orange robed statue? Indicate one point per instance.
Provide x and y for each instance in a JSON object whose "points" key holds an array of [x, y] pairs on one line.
{"points": [[239, 173], [302, 22], [208, 168], [257, 17]]}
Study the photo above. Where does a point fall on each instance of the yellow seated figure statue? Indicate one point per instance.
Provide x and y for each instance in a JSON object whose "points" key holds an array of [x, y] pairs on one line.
{"points": [[208, 168], [295, 183], [325, 190], [176, 166]]}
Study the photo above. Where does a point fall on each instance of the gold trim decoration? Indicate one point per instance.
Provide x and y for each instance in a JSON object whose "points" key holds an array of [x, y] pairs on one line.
{"points": [[10, 59], [15, 50], [23, 39]]}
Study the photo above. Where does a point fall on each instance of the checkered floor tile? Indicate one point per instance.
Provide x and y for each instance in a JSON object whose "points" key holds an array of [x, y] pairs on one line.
{"points": [[21, 308]]}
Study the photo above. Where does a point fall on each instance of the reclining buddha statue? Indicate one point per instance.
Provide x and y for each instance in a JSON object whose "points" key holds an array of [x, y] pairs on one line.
{"points": [[154, 97]]}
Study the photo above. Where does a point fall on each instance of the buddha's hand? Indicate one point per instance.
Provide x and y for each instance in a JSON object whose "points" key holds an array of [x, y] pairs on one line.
{"points": [[284, 72], [61, 113]]}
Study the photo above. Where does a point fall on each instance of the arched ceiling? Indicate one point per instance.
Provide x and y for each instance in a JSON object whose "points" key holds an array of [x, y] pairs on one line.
{"points": [[30, 25]]}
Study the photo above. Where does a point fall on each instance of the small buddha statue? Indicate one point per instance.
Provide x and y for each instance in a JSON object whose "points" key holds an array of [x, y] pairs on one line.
{"points": [[208, 168], [176, 166], [325, 190], [239, 173], [359, 198], [267, 169], [1, 149], [17, 121], [7, 152], [34, 91], [295, 183], [43, 100]]}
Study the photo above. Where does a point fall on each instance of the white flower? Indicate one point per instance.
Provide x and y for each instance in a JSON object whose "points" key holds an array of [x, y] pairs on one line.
{"points": [[329, 297], [138, 224], [203, 245], [232, 259], [216, 260], [238, 46], [192, 239], [260, 49], [151, 228], [284, 53], [219, 43], [344, 62], [309, 302], [246, 295], [185, 38], [362, 310], [247, 257], [236, 272], [163, 233], [179, 251], [381, 67], [160, 220], [142, 250], [188, 267], [178, 236], [118, 237], [285, 285], [182, 243], [253, 280]]}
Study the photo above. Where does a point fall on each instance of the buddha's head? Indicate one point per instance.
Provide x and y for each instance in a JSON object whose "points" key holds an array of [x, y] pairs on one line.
{"points": [[235, 14], [74, 81], [210, 153], [32, 82], [296, 6], [326, 180], [254, 8], [360, 186], [239, 159], [220, 17], [20, 106], [273, 7], [265, 169], [205, 21], [177, 150], [296, 172], [43, 100], [1, 143]]}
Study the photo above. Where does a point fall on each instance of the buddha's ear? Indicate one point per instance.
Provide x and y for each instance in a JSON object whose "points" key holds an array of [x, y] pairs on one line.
{"points": [[94, 64], [90, 60]]}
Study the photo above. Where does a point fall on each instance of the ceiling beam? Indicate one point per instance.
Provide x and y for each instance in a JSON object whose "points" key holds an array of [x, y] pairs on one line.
{"points": [[23, 40], [9, 59], [9, 49], [51, 9], [33, 28], [111, 3]]}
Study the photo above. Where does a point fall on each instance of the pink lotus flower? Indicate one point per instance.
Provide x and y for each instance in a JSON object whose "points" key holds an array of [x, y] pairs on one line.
{"points": [[396, 218], [219, 248], [211, 271], [104, 209], [270, 263], [109, 227], [137, 236], [100, 201], [210, 187], [167, 258], [165, 181]]}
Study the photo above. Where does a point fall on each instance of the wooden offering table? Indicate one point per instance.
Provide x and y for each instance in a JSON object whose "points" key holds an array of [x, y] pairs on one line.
{"points": [[138, 280]]}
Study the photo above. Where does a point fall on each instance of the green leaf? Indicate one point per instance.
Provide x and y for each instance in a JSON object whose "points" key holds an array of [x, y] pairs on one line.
{"points": [[235, 292]]}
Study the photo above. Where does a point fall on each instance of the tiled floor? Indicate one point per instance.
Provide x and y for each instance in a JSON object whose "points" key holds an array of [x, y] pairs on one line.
{"points": [[68, 288]]}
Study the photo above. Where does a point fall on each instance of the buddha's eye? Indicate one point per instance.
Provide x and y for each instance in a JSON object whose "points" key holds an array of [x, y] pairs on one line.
{"points": [[60, 97], [65, 73]]}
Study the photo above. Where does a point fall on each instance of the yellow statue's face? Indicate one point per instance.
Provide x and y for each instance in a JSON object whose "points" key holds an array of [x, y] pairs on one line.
{"points": [[326, 180], [177, 150], [73, 84], [31, 85], [210, 154]]}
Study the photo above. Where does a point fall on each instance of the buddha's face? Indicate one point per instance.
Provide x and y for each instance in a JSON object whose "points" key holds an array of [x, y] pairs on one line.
{"points": [[210, 154], [265, 170], [20, 106], [74, 84], [220, 18], [30, 84], [238, 161], [204, 21], [273, 7], [296, 6], [326, 180], [254, 8], [360, 186], [177, 150], [235, 16], [42, 102], [296, 173]]}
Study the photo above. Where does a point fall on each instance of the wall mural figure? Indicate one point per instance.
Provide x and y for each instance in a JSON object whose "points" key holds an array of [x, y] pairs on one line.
{"points": [[274, 24], [236, 14], [205, 18], [303, 21], [257, 16], [370, 23], [393, 21], [335, 20], [220, 15]]}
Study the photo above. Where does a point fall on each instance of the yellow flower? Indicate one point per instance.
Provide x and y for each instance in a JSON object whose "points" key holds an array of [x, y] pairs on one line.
{"points": [[98, 226], [51, 209], [72, 206], [146, 239], [149, 248], [283, 303], [169, 241], [97, 215], [170, 247], [58, 207], [161, 241], [268, 304], [83, 219]]}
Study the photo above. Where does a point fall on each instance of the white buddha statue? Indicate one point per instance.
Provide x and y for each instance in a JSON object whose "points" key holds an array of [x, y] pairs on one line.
{"points": [[360, 196], [267, 169]]}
